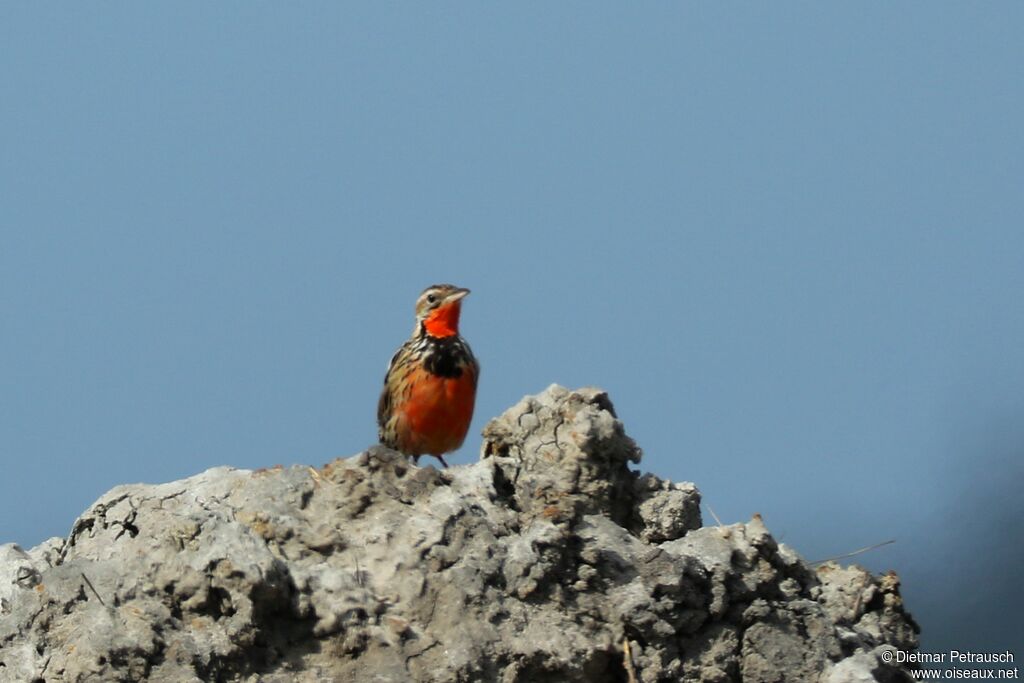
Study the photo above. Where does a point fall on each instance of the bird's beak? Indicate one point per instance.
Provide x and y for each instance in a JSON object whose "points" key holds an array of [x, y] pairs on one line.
{"points": [[456, 296]]}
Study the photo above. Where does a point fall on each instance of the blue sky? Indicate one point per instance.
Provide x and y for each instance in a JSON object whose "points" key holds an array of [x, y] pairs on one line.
{"points": [[786, 238]]}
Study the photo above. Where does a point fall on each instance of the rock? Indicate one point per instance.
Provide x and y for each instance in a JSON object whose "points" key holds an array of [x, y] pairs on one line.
{"points": [[548, 560]]}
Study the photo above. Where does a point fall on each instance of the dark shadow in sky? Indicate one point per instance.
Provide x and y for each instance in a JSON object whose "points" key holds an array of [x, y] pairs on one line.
{"points": [[966, 591]]}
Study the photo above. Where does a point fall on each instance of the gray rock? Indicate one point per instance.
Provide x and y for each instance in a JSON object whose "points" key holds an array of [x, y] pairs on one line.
{"points": [[548, 560]]}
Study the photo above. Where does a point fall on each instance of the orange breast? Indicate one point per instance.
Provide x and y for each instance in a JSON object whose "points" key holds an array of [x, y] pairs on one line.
{"points": [[437, 412]]}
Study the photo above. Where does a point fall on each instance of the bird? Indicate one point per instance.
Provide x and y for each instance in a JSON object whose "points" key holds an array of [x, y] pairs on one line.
{"points": [[430, 385]]}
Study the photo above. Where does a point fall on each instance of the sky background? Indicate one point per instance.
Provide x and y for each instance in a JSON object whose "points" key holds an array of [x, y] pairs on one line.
{"points": [[785, 237]]}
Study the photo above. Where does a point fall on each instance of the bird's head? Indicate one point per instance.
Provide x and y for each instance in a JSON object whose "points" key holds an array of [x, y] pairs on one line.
{"points": [[438, 308]]}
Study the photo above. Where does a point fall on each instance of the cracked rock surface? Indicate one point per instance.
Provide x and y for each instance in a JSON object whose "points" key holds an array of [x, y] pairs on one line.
{"points": [[548, 560]]}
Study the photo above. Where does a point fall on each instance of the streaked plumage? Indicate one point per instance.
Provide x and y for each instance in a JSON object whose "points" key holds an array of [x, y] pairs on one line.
{"points": [[430, 386]]}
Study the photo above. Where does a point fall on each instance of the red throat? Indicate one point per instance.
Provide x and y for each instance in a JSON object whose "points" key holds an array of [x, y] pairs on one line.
{"points": [[444, 320]]}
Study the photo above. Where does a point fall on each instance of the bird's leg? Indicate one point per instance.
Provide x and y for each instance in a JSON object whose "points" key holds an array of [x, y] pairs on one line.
{"points": [[441, 458]]}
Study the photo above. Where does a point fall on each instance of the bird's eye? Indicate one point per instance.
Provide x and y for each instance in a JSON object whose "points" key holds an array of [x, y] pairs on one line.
{"points": [[431, 299]]}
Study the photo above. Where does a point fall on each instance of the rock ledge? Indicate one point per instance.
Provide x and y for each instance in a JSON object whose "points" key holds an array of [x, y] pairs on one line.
{"points": [[548, 560]]}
